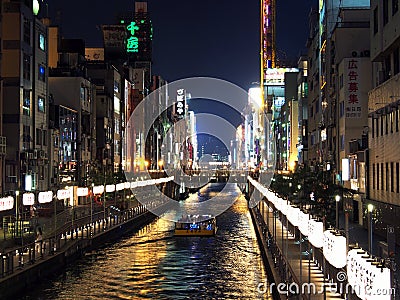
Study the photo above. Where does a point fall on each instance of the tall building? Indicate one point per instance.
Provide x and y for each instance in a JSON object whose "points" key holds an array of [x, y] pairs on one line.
{"points": [[268, 44], [268, 62], [25, 97], [138, 38], [313, 111], [351, 82], [323, 107], [275, 147], [128, 47], [292, 103], [302, 97], [383, 133], [70, 87], [192, 140], [3, 140]]}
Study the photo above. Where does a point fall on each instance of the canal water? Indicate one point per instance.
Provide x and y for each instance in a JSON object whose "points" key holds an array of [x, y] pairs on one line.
{"points": [[153, 264]]}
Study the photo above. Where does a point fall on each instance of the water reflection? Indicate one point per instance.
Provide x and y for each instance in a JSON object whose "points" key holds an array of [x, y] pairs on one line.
{"points": [[153, 264]]}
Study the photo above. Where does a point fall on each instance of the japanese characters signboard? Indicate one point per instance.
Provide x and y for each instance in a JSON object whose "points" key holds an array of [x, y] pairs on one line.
{"points": [[180, 103], [132, 41], [351, 85], [113, 36]]}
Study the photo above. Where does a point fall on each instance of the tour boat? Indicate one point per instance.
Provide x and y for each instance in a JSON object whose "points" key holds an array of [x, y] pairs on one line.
{"points": [[194, 225]]}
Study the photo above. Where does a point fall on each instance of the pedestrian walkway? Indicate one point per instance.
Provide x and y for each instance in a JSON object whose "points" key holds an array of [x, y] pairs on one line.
{"points": [[15, 259], [307, 278]]}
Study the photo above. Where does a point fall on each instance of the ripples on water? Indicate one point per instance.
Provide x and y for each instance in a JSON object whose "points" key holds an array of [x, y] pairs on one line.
{"points": [[153, 264]]}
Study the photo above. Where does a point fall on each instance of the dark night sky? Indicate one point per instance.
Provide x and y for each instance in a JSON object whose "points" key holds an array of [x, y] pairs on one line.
{"points": [[216, 38], [211, 38]]}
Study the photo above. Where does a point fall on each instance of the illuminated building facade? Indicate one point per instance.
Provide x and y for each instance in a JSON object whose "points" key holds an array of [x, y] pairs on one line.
{"points": [[302, 98], [276, 139], [65, 121], [351, 81], [268, 51], [384, 116], [323, 106], [24, 72]]}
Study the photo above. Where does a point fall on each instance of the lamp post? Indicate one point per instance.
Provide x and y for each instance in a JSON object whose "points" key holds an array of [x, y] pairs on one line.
{"points": [[337, 198], [91, 207], [370, 209], [16, 226]]}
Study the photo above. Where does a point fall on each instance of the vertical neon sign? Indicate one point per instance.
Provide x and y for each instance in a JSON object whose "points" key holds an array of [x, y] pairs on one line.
{"points": [[132, 42]]}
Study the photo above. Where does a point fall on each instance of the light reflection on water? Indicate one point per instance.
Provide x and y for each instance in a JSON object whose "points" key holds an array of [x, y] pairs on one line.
{"points": [[153, 264]]}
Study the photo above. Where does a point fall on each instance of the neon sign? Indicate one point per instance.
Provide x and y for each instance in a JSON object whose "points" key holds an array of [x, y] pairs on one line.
{"points": [[132, 42]]}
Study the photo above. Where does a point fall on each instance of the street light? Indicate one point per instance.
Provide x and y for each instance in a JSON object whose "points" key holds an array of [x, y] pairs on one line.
{"points": [[16, 226], [337, 198], [370, 209], [298, 195], [91, 206]]}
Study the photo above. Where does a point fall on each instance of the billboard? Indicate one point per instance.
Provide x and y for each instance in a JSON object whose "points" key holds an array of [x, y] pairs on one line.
{"points": [[276, 76], [180, 104], [96, 54], [114, 37]]}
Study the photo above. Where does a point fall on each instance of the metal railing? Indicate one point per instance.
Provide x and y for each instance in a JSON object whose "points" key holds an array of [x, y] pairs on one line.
{"points": [[86, 227]]}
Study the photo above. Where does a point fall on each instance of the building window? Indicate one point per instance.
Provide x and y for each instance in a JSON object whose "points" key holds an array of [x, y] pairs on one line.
{"points": [[397, 120], [27, 67], [26, 137], [341, 109], [317, 107], [26, 103], [341, 81], [342, 142], [376, 20], [82, 93], [42, 73], [382, 178], [392, 177], [397, 178], [41, 105], [42, 42], [11, 173], [387, 177], [386, 124], [38, 136], [373, 176], [395, 6], [305, 90], [44, 136], [377, 176], [388, 67], [390, 116], [27, 31], [385, 12], [396, 61], [381, 117], [116, 86], [373, 127], [311, 111]]}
